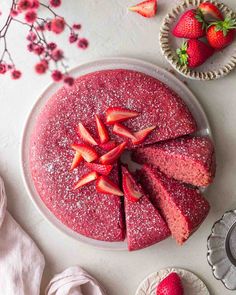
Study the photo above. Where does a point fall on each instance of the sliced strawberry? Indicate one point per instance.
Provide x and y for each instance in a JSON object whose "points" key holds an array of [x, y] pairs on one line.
{"points": [[108, 145], [141, 135], [113, 155], [130, 188], [76, 161], [123, 131], [99, 168], [118, 114], [85, 135], [106, 186], [146, 8], [87, 152], [102, 130], [87, 178]]}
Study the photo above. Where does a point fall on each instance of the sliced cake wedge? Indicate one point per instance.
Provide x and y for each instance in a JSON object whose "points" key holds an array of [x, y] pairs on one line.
{"points": [[189, 159], [182, 206], [144, 224]]}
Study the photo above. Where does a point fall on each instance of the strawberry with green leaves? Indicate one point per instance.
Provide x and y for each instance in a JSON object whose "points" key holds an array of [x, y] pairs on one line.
{"points": [[220, 34], [191, 25], [194, 53], [210, 11]]}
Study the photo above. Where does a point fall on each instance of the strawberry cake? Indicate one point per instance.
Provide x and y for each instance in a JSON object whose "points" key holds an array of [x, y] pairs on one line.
{"points": [[78, 139], [144, 224], [189, 159], [182, 206]]}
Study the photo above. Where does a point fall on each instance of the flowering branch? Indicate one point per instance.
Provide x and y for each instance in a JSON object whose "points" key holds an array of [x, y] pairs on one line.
{"points": [[51, 57]]}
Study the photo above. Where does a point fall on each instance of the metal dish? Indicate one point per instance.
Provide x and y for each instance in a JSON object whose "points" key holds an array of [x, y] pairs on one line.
{"points": [[221, 250]]}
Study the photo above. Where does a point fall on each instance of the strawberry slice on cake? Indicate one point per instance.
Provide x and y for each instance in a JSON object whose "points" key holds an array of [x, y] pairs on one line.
{"points": [[189, 159], [182, 206], [119, 114], [144, 224]]}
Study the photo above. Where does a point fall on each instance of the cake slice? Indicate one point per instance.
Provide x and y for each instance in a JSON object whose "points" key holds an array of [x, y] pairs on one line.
{"points": [[182, 206], [144, 224], [190, 159]]}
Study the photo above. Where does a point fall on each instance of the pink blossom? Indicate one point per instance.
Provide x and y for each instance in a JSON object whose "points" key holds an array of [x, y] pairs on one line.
{"points": [[31, 36], [34, 4], [38, 49], [57, 25], [24, 5], [3, 68], [30, 47], [83, 43], [14, 13], [16, 74], [51, 45], [73, 38], [57, 75], [30, 16], [41, 67], [69, 81], [55, 3], [77, 26], [57, 54]]}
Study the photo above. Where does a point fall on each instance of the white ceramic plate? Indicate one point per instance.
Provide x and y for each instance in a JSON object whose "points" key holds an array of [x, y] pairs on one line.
{"points": [[103, 64], [191, 283]]}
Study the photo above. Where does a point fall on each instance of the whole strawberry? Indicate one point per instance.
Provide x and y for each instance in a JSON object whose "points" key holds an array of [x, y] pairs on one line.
{"points": [[171, 285], [194, 53], [210, 12], [221, 33], [191, 25]]}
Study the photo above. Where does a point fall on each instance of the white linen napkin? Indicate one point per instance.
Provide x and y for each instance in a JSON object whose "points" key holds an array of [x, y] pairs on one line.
{"points": [[22, 264], [74, 281]]}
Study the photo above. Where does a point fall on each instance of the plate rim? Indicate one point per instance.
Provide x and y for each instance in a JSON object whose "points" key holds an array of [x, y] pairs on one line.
{"points": [[49, 216]]}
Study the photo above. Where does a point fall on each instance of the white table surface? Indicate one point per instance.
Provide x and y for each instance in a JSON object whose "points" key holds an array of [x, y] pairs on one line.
{"points": [[112, 31]]}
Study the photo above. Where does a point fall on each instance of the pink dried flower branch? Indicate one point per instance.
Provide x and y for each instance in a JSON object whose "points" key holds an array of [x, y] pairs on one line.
{"points": [[51, 57]]}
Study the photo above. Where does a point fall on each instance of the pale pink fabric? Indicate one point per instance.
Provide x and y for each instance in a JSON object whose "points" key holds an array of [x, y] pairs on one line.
{"points": [[22, 264], [74, 281]]}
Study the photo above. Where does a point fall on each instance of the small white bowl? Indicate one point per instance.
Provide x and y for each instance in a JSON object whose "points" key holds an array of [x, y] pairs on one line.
{"points": [[219, 65], [221, 254], [191, 283]]}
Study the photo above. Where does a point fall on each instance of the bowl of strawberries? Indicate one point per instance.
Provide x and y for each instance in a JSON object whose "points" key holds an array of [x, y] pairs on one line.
{"points": [[198, 38]]}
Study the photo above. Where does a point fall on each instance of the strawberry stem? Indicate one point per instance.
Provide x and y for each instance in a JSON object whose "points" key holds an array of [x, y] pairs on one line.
{"points": [[182, 54], [200, 17], [225, 25]]}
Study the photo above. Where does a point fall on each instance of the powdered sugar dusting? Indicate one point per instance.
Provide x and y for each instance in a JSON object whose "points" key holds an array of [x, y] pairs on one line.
{"points": [[85, 211], [166, 192], [144, 224], [188, 159]]}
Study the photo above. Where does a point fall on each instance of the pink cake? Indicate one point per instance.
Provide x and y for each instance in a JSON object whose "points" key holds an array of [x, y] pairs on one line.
{"points": [[144, 224], [86, 211], [182, 206], [189, 159]]}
